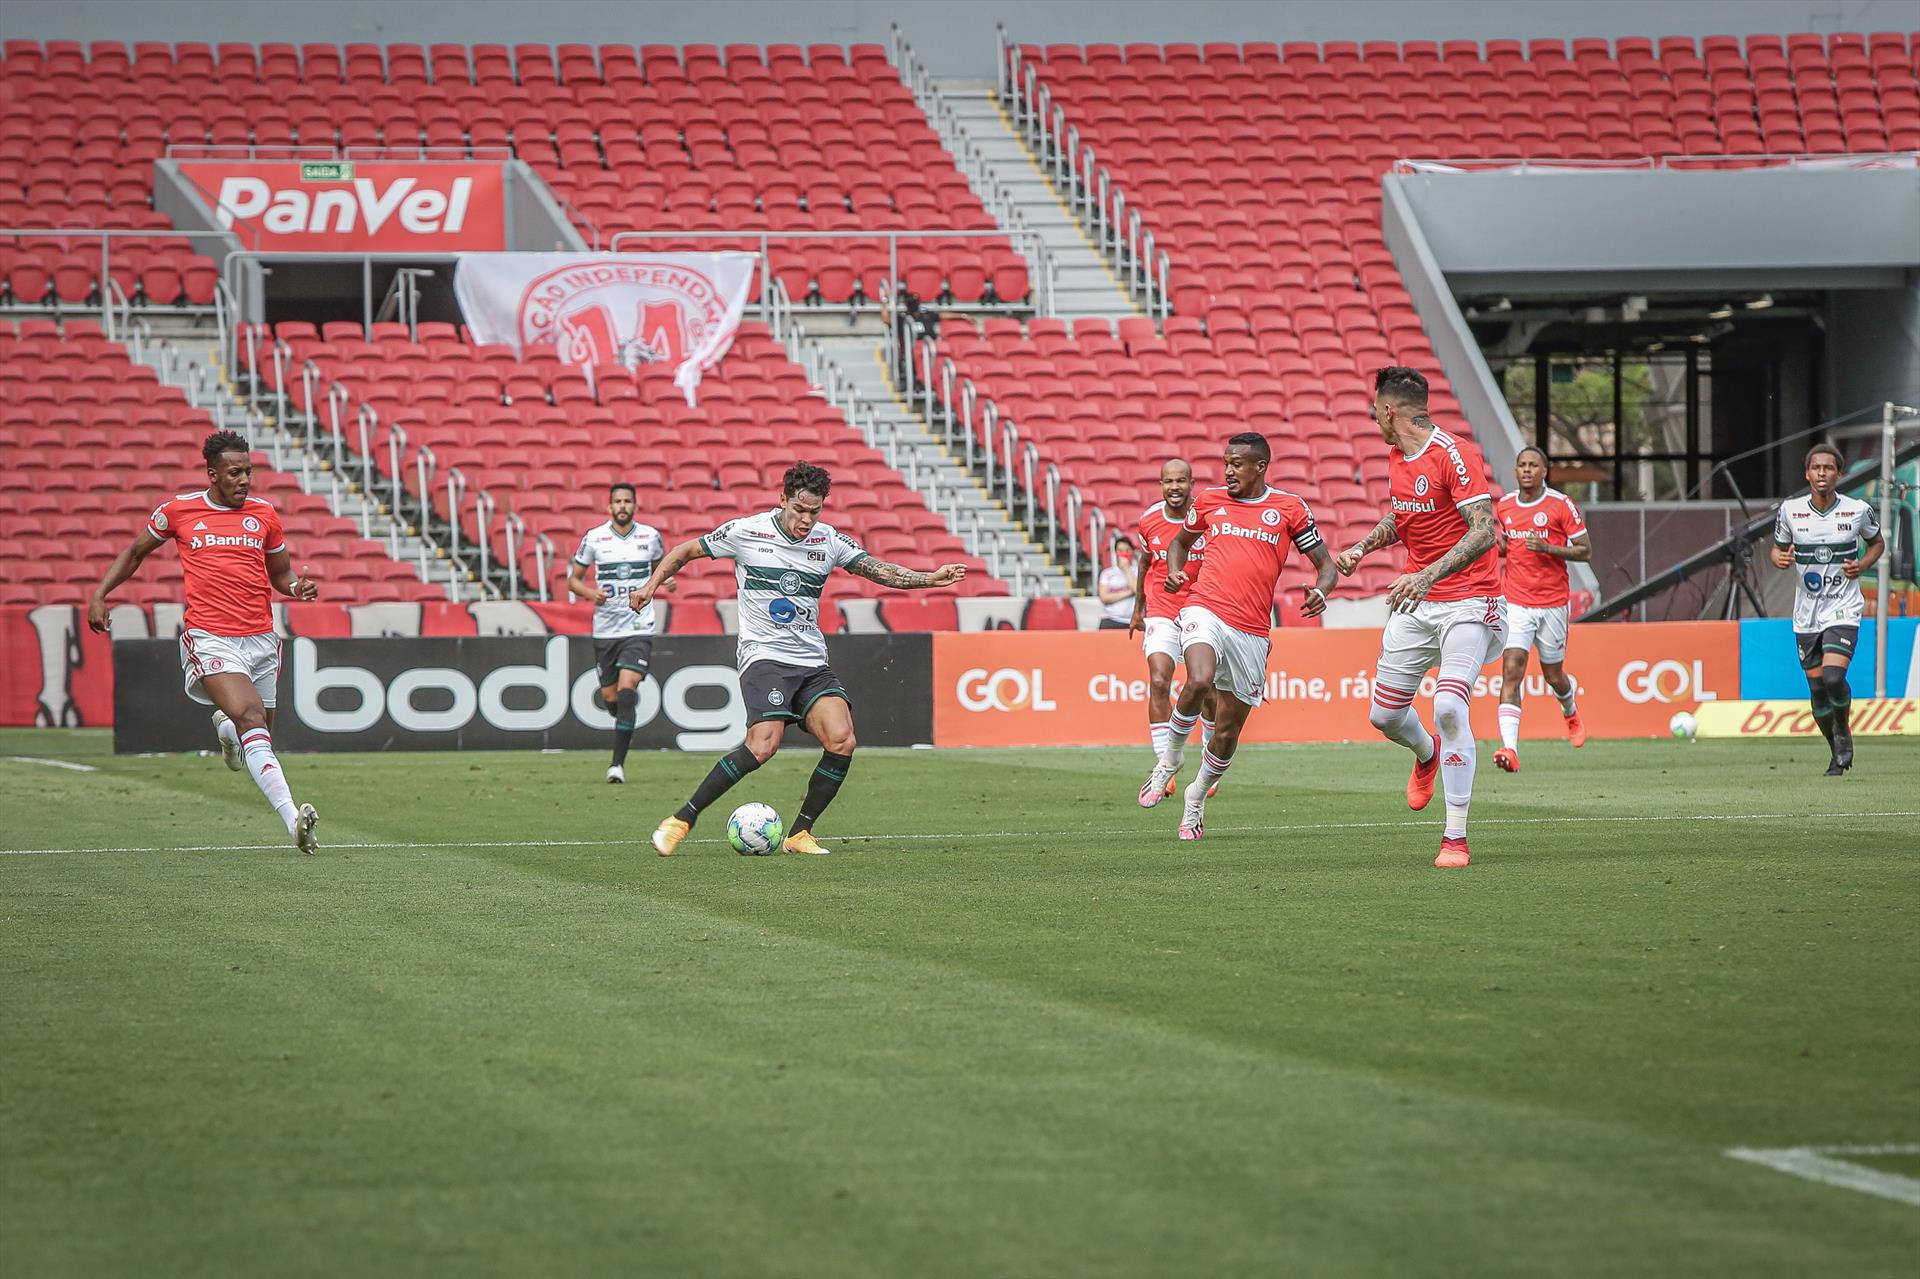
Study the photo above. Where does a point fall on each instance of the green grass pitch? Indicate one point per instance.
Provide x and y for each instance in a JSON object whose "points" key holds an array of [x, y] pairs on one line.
{"points": [[1010, 1027]]}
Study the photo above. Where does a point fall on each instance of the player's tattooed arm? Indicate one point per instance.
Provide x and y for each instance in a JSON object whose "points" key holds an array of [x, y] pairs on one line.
{"points": [[1140, 567], [1410, 588], [124, 566], [1384, 534], [901, 578], [678, 558], [1324, 574]]}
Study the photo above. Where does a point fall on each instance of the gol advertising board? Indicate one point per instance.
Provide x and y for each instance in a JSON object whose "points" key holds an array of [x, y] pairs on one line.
{"points": [[538, 692], [1046, 688], [332, 206]]}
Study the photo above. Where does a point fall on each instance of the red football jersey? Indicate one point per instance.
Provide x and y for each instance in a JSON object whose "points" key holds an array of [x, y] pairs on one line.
{"points": [[1428, 491], [1156, 535], [1246, 549], [1534, 578], [224, 554]]}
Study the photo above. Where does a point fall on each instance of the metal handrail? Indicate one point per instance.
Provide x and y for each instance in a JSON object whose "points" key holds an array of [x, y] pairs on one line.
{"points": [[282, 356], [456, 493], [369, 423], [1029, 463], [396, 449], [516, 532], [425, 463], [1073, 531], [1096, 542], [989, 429], [484, 509], [543, 556], [1053, 514]]}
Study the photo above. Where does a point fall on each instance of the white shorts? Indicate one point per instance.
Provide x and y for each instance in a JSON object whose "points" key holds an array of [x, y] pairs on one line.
{"points": [[1240, 667], [1162, 637], [255, 656], [1542, 628], [1411, 644]]}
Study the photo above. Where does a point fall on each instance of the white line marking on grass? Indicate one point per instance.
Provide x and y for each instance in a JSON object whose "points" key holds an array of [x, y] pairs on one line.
{"points": [[1285, 828], [53, 763], [1817, 1163]]}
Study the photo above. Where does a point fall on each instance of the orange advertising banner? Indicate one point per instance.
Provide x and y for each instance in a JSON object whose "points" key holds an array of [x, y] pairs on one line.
{"points": [[1089, 688]]}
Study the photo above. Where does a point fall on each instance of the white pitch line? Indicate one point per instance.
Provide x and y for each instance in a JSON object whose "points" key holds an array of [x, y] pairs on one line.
{"points": [[1814, 1163], [53, 763], [1295, 827]]}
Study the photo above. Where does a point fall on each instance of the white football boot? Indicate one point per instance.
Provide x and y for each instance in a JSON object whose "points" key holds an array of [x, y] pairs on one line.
{"points": [[303, 837], [1157, 782], [616, 774], [229, 747]]}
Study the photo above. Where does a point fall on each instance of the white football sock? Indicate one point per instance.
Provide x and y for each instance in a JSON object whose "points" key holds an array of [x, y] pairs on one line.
{"points": [[1392, 713], [1179, 728], [264, 765], [226, 731], [1457, 752], [1456, 827], [1510, 726], [1212, 769], [1565, 699], [1206, 732], [1159, 732]]}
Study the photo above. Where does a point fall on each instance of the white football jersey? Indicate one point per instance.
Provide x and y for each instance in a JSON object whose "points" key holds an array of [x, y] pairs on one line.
{"points": [[1823, 595], [621, 565], [780, 582]]}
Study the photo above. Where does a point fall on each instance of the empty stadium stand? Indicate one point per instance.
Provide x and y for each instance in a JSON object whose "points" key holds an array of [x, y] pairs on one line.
{"points": [[1258, 170], [545, 439], [824, 138], [90, 442]]}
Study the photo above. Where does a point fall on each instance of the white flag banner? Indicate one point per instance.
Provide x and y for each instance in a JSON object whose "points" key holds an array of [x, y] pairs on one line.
{"points": [[609, 308]]}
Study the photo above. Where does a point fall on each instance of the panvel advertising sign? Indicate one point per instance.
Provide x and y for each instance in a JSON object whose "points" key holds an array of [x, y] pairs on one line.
{"points": [[1089, 688], [335, 206]]}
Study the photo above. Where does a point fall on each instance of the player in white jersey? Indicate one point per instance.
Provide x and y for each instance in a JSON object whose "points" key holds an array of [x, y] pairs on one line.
{"points": [[621, 554], [782, 559], [1819, 537]]}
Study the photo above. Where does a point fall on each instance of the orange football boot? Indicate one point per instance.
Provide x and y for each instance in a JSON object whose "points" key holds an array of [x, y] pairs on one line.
{"points": [[1453, 852], [1507, 761], [1420, 785], [1576, 730]]}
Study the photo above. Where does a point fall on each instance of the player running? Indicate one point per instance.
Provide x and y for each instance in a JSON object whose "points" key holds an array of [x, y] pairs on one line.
{"points": [[1446, 608], [1225, 625], [621, 554], [1820, 534], [234, 555], [1541, 530], [782, 559], [1156, 611]]}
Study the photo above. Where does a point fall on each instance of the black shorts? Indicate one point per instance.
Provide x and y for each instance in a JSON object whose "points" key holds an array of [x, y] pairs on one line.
{"points": [[1838, 640], [623, 653], [774, 690]]}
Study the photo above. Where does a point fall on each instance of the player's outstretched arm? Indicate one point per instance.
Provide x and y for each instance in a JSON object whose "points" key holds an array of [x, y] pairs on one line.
{"points": [[678, 558], [1324, 574], [1384, 534], [1579, 549], [901, 578], [299, 586], [1410, 588], [124, 566]]}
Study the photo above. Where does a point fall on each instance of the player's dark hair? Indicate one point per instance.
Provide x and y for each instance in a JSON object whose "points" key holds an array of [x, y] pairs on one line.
{"points": [[1533, 448], [223, 442], [1401, 385], [617, 485], [1252, 440], [1830, 451], [805, 477]]}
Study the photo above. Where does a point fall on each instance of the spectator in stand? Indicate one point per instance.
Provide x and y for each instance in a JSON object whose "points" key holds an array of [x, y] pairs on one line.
{"points": [[1116, 586]]}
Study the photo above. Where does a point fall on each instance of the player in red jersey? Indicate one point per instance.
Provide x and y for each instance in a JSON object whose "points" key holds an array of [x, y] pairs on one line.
{"points": [[1446, 609], [1225, 625], [1156, 610], [233, 551], [1540, 530]]}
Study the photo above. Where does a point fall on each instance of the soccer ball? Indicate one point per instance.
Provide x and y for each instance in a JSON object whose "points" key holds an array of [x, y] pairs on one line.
{"points": [[1683, 724], [754, 830]]}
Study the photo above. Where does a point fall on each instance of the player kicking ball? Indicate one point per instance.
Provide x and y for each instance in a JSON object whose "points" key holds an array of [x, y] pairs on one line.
{"points": [[1820, 535], [234, 555], [621, 554], [1446, 609], [782, 560], [1156, 610], [1226, 624], [1541, 531]]}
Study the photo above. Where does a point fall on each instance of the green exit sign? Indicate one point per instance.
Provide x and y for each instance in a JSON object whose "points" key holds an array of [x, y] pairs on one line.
{"points": [[327, 171]]}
